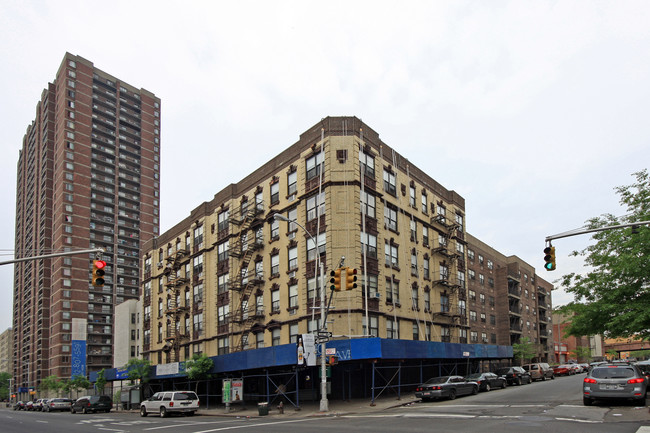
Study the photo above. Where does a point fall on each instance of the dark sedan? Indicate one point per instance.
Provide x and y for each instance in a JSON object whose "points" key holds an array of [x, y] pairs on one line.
{"points": [[487, 381], [446, 386]]}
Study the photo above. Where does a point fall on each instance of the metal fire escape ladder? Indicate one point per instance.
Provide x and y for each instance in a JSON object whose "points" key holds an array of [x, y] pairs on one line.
{"points": [[174, 311], [242, 285]]}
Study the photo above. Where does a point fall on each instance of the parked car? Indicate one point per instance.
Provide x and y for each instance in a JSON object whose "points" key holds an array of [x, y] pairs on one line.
{"points": [[539, 371], [19, 405], [58, 404], [563, 370], [623, 381], [445, 386], [92, 403], [38, 404], [514, 375], [577, 368], [487, 381], [168, 402], [644, 366], [29, 405]]}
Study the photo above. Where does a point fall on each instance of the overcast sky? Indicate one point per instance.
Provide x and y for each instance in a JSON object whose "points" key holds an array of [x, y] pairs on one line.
{"points": [[532, 111]]}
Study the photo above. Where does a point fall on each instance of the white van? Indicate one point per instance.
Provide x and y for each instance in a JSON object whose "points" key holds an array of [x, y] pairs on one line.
{"points": [[167, 402]]}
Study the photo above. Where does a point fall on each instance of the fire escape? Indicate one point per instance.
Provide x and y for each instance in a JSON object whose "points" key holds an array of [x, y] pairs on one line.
{"points": [[247, 239], [445, 276], [176, 334]]}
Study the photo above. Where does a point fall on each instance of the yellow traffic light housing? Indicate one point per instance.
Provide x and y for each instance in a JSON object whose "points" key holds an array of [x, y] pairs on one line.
{"points": [[549, 258], [335, 280], [350, 278], [98, 273]]}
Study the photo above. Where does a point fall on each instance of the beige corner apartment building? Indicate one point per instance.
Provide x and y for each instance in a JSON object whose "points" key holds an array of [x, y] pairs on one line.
{"points": [[231, 277]]}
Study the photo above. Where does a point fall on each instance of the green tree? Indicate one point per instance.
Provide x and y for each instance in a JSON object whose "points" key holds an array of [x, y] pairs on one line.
{"points": [[79, 383], [524, 350], [4, 385], [51, 383], [583, 353], [612, 354], [198, 368], [138, 369], [101, 381], [613, 299]]}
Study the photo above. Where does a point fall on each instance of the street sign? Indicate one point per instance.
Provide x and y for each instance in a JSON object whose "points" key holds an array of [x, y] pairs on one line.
{"points": [[330, 351]]}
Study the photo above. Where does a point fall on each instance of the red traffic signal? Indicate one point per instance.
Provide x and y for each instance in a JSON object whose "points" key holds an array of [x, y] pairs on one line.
{"points": [[98, 273]]}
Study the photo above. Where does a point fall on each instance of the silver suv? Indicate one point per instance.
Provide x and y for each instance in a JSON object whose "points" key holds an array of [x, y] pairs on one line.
{"points": [[614, 381], [167, 402]]}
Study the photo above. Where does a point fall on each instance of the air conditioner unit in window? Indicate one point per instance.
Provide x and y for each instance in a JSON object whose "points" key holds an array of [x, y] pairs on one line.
{"points": [[375, 295]]}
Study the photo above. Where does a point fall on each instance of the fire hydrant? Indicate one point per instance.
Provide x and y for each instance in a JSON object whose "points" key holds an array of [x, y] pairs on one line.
{"points": [[281, 407]]}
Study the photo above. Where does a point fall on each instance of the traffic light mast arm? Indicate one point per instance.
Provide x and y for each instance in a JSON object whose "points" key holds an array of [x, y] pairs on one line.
{"points": [[47, 256], [600, 229]]}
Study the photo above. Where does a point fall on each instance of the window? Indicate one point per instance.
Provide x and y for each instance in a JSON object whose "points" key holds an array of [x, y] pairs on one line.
{"points": [[259, 201], [483, 318], [414, 263], [472, 315], [372, 284], [222, 346], [445, 334], [197, 292], [392, 328], [424, 203], [459, 221], [490, 265], [293, 258], [275, 301], [473, 335], [275, 337], [374, 326], [198, 324], [425, 268], [223, 218], [427, 301], [484, 338], [480, 260], [275, 264], [444, 303], [198, 266], [293, 333], [368, 204], [390, 218], [198, 237], [415, 298], [416, 331], [275, 230], [223, 314], [292, 182], [293, 296], [414, 230], [314, 166], [275, 193], [313, 288], [441, 213], [392, 291], [222, 251], [412, 196], [472, 274], [461, 279], [389, 183], [470, 254], [367, 164], [259, 340], [311, 248], [259, 269], [369, 245], [444, 272], [425, 236], [493, 319], [491, 282], [481, 298], [312, 202], [481, 279], [391, 254]]}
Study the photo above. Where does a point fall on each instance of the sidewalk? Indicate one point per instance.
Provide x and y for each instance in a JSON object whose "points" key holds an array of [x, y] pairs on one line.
{"points": [[311, 409]]}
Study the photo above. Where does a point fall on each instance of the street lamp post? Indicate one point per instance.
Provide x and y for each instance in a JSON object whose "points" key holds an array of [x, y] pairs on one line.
{"points": [[324, 405]]}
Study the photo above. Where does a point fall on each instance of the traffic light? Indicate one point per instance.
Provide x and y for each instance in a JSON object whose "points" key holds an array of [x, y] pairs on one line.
{"points": [[549, 258], [332, 359], [98, 273], [350, 278], [335, 280]]}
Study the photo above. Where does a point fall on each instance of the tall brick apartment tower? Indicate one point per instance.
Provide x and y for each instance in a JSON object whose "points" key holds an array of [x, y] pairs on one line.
{"points": [[88, 177]]}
